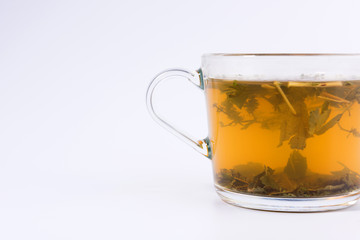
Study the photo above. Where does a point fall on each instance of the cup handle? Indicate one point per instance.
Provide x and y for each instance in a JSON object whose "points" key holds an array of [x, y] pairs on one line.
{"points": [[195, 77]]}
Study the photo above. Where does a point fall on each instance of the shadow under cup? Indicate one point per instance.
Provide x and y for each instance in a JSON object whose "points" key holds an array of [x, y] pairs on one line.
{"points": [[284, 129]]}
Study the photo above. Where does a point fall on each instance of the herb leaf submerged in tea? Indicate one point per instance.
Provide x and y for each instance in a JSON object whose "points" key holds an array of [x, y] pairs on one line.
{"points": [[296, 166]]}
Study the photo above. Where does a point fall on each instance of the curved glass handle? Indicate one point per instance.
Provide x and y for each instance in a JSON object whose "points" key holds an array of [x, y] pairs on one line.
{"points": [[202, 145]]}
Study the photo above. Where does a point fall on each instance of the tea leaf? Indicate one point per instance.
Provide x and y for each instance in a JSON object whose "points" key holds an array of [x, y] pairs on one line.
{"points": [[274, 183], [353, 94], [269, 182], [298, 141], [285, 132], [317, 119], [352, 131], [227, 108], [346, 176], [251, 104], [238, 100], [256, 181], [313, 121], [267, 179], [237, 94], [249, 170], [325, 107], [224, 177], [294, 126], [329, 124], [275, 100], [296, 166], [284, 182], [323, 118]]}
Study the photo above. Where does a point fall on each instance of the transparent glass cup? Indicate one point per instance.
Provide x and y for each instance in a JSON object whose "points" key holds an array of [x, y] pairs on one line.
{"points": [[284, 129]]}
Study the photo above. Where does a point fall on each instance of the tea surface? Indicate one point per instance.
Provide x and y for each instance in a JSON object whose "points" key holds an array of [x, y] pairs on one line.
{"points": [[285, 139]]}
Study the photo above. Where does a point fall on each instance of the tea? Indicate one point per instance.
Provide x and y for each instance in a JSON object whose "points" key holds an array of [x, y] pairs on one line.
{"points": [[285, 139]]}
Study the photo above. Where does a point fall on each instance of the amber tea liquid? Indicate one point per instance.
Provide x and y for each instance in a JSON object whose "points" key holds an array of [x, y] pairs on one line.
{"points": [[285, 139]]}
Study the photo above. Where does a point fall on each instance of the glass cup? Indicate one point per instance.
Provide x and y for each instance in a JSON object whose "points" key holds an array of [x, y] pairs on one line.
{"points": [[284, 129]]}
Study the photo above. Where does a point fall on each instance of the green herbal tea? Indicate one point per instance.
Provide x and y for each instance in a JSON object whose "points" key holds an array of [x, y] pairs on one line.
{"points": [[285, 139]]}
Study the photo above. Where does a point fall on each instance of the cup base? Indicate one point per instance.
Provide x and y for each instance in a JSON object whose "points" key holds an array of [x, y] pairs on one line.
{"points": [[288, 204]]}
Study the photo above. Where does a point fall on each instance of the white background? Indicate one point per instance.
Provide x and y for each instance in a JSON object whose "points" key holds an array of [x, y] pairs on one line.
{"points": [[80, 158]]}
